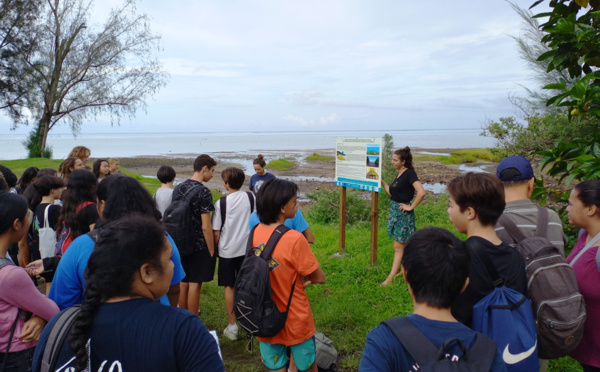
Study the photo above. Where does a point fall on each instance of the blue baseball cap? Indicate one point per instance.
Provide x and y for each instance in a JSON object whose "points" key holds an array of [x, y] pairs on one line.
{"points": [[514, 169]]}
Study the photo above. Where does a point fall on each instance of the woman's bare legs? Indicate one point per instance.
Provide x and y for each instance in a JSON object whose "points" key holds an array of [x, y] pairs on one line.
{"points": [[398, 251]]}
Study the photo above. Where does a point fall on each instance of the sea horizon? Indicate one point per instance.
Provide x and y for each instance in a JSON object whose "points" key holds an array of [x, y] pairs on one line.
{"points": [[186, 143]]}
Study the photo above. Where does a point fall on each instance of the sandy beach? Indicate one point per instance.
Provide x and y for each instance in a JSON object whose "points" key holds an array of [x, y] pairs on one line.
{"points": [[309, 175]]}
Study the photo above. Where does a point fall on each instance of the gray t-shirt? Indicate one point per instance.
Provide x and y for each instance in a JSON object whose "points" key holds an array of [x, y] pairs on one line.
{"points": [[525, 215], [163, 198]]}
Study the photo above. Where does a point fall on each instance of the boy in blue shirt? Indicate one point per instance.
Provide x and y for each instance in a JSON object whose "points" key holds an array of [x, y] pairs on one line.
{"points": [[436, 268]]}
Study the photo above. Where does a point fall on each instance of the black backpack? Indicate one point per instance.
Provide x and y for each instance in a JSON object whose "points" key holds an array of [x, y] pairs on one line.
{"points": [[558, 307], [478, 358], [178, 220], [223, 206], [253, 304]]}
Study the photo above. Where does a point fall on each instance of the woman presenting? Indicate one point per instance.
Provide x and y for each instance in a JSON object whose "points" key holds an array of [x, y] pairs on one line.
{"points": [[401, 223]]}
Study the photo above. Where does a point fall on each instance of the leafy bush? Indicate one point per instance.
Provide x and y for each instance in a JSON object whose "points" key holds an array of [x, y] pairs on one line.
{"points": [[33, 146], [318, 157], [280, 164], [326, 208]]}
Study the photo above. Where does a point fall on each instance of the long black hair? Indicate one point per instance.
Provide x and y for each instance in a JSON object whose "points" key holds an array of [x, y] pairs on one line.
{"points": [[81, 187], [126, 195], [123, 246], [26, 179], [589, 193], [12, 207], [97, 165]]}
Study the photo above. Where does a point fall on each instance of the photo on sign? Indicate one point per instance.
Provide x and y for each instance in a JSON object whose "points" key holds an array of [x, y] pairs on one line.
{"points": [[373, 161], [372, 174], [341, 155], [373, 149]]}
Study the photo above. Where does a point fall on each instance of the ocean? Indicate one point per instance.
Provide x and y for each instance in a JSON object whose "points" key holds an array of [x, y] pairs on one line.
{"points": [[191, 144]]}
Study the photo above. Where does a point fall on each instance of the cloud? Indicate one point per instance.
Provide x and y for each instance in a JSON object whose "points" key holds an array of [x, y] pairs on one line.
{"points": [[187, 67], [321, 121]]}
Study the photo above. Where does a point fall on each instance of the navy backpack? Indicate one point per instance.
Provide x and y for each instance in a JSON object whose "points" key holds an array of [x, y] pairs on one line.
{"points": [[505, 316]]}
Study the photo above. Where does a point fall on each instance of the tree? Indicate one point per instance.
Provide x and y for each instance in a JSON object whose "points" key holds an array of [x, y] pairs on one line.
{"points": [[79, 71], [17, 19], [537, 126]]}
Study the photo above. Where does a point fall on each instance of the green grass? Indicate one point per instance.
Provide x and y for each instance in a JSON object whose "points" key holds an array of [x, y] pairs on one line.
{"points": [[19, 166], [318, 157], [481, 154], [280, 164], [462, 156]]}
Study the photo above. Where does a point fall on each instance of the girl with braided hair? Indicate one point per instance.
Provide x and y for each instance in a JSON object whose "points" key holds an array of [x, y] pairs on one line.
{"points": [[121, 324]]}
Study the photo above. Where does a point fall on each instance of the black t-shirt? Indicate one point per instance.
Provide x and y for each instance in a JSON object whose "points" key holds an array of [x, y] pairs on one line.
{"points": [[201, 203], [509, 264], [87, 216], [402, 189], [38, 223]]}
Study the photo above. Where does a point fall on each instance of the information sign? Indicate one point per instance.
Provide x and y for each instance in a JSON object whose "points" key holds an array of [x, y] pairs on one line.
{"points": [[358, 163]]}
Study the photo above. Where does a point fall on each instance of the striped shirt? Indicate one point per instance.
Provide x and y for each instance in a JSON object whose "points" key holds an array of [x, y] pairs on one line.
{"points": [[525, 215]]}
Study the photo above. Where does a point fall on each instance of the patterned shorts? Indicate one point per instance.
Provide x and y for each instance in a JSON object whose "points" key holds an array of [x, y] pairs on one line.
{"points": [[401, 225]]}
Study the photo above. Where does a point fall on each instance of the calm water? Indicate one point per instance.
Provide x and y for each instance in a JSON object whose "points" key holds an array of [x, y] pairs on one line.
{"points": [[138, 144]]}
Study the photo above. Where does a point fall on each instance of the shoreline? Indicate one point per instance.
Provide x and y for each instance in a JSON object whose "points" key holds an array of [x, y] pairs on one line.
{"points": [[309, 175]]}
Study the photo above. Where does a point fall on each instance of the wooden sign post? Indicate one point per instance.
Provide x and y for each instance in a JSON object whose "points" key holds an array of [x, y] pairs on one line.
{"points": [[374, 223], [358, 165]]}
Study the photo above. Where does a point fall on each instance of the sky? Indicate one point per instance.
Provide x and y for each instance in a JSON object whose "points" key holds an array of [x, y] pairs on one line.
{"points": [[327, 65]]}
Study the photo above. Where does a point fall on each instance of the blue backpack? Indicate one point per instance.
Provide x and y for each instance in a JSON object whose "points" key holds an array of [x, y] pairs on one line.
{"points": [[505, 316]]}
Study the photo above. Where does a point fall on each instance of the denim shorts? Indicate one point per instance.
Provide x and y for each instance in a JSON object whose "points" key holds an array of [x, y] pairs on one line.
{"points": [[18, 361], [275, 357]]}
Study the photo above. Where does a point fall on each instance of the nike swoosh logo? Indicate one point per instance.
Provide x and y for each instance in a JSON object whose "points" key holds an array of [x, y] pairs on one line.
{"points": [[516, 358]]}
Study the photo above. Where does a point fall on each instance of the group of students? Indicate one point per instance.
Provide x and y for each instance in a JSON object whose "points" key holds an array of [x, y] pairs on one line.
{"points": [[122, 265], [447, 277]]}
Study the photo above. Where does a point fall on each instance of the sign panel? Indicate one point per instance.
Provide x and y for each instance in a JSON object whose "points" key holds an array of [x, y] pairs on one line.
{"points": [[358, 163]]}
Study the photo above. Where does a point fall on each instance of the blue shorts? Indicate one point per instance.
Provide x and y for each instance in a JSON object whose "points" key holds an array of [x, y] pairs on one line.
{"points": [[275, 357]]}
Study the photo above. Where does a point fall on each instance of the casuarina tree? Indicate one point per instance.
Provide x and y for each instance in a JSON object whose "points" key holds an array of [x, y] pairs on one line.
{"points": [[17, 19], [81, 71]]}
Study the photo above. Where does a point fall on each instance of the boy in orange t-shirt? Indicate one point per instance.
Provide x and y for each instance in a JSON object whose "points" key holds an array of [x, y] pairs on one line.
{"points": [[293, 258]]}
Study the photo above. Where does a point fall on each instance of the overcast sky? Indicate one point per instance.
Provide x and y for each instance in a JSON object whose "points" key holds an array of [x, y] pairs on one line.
{"points": [[328, 65]]}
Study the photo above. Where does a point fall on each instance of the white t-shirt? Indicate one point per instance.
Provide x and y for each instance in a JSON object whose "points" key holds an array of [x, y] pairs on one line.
{"points": [[234, 235], [163, 198]]}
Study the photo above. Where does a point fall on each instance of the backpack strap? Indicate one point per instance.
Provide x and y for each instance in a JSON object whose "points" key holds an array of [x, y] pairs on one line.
{"points": [[223, 207], [59, 332], [82, 205], [251, 198], [6, 262], [511, 228], [412, 339], [482, 353], [46, 223], [268, 251]]}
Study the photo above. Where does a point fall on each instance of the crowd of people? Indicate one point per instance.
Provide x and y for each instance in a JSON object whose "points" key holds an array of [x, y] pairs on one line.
{"points": [[112, 252]]}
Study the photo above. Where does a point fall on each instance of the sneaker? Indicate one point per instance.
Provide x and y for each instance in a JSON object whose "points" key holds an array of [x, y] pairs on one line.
{"points": [[231, 332]]}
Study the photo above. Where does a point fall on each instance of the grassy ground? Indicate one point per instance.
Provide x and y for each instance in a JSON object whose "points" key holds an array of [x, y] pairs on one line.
{"points": [[280, 164], [316, 156]]}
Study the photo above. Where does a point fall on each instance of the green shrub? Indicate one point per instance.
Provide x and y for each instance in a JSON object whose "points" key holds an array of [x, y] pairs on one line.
{"points": [[280, 164], [318, 157], [481, 154], [452, 159], [326, 208]]}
